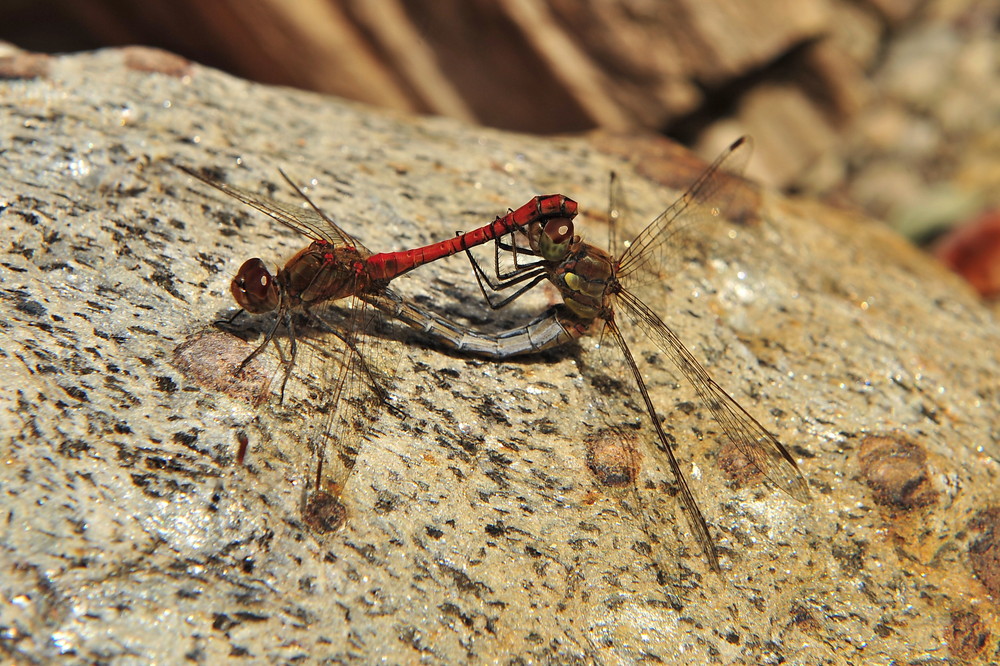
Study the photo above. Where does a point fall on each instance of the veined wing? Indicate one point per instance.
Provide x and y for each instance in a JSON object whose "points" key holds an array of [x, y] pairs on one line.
{"points": [[663, 446], [617, 209], [307, 221], [708, 198], [355, 386], [762, 449]]}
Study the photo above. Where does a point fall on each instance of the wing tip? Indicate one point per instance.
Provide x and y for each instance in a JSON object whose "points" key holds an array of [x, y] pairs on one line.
{"points": [[797, 488]]}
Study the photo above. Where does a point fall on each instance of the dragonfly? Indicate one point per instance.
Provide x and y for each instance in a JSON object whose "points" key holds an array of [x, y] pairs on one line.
{"points": [[597, 289], [337, 266]]}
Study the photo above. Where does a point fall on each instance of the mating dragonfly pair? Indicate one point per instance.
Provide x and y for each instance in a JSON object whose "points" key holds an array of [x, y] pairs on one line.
{"points": [[595, 286]]}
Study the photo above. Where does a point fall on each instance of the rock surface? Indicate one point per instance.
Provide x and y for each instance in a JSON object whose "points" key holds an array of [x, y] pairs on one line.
{"points": [[475, 530]]}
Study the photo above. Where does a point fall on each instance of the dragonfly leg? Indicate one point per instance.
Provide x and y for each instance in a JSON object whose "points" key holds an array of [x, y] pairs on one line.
{"points": [[228, 321], [513, 249], [267, 339], [534, 273], [283, 315], [292, 350]]}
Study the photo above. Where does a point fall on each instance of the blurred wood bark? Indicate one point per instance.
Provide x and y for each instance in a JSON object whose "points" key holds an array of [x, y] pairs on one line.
{"points": [[527, 65]]}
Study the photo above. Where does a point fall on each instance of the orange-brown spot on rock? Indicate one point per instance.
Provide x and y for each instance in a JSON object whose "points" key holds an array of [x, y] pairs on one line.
{"points": [[737, 466], [966, 635], [211, 359], [324, 512], [984, 553], [24, 66], [895, 470], [243, 442], [146, 59], [613, 458]]}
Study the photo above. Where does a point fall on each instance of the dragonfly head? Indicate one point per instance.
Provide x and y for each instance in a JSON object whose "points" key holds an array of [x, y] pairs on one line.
{"points": [[254, 288], [554, 242]]}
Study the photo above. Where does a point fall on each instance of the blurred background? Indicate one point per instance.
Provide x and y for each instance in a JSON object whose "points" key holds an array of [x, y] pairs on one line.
{"points": [[890, 107]]}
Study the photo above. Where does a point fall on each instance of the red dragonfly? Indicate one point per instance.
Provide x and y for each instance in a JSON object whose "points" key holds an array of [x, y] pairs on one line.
{"points": [[336, 266], [595, 286]]}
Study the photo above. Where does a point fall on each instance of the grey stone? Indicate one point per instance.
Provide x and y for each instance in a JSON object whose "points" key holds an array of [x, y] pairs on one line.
{"points": [[475, 531]]}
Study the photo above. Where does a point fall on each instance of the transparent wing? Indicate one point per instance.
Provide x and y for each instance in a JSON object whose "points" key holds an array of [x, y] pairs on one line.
{"points": [[762, 449], [662, 449], [707, 199], [355, 377], [307, 221], [617, 209]]}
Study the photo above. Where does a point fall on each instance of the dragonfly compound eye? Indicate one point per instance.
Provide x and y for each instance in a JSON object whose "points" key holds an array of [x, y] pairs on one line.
{"points": [[556, 237], [254, 288]]}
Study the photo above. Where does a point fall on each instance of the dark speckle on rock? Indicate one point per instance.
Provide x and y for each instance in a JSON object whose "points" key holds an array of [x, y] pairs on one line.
{"points": [[165, 384], [33, 308]]}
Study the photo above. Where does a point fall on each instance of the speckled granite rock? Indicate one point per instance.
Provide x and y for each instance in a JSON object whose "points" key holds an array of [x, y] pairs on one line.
{"points": [[475, 530]]}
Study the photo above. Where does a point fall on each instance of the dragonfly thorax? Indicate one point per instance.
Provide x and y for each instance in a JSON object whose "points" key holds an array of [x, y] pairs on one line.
{"points": [[323, 272], [586, 275]]}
